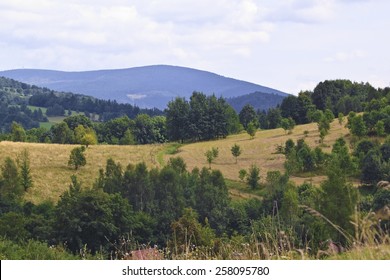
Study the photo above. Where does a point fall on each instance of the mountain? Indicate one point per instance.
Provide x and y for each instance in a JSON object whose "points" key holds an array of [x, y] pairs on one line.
{"points": [[148, 86], [259, 100]]}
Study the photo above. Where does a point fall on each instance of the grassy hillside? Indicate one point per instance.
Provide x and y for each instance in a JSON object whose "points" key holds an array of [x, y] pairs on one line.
{"points": [[259, 151], [51, 173], [49, 164]]}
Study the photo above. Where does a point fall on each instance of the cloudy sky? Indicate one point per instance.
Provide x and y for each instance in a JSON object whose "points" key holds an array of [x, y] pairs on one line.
{"points": [[290, 45]]}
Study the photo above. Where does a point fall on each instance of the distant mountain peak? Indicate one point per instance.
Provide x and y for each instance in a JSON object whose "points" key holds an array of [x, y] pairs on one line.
{"points": [[146, 86]]}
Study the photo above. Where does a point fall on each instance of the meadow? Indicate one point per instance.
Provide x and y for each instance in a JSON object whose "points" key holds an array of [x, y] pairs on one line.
{"points": [[51, 173]]}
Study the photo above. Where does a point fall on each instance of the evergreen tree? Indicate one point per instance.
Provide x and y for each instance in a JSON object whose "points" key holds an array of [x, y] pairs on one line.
{"points": [[23, 161], [247, 115], [253, 177], [18, 134], [10, 187], [338, 200]]}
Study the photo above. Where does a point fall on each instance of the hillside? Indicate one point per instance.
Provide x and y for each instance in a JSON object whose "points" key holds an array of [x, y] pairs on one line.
{"points": [[149, 86], [259, 101], [51, 174]]}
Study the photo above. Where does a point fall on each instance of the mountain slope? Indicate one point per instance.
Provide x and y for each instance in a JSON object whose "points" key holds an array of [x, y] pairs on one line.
{"points": [[259, 101], [149, 86]]}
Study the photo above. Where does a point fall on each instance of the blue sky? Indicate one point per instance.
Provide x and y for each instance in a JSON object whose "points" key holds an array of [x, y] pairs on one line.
{"points": [[290, 45]]}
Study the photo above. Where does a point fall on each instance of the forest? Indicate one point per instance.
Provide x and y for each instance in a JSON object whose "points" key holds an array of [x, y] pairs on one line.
{"points": [[189, 213]]}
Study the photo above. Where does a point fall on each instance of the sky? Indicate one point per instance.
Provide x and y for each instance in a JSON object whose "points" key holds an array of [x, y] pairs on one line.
{"points": [[289, 45]]}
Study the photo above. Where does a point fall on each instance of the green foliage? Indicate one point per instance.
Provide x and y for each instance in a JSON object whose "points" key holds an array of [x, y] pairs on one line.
{"points": [[236, 151], [33, 250], [289, 209], [177, 114], [18, 134], [242, 174], [380, 128], [287, 124], [61, 133], [77, 157], [324, 124], [85, 135], [247, 115], [10, 187], [253, 177], [202, 118], [371, 168], [357, 126], [188, 232], [12, 226], [338, 199], [341, 155], [23, 162], [178, 164], [251, 129], [274, 118], [91, 217], [300, 158], [381, 199], [211, 155], [78, 120], [340, 118]]}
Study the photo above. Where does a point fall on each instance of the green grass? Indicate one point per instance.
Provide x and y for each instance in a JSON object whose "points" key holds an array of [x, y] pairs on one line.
{"points": [[36, 108], [170, 149], [240, 190]]}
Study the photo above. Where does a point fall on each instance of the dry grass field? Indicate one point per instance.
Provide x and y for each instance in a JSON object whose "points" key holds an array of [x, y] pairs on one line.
{"points": [[259, 151], [49, 164], [51, 174]]}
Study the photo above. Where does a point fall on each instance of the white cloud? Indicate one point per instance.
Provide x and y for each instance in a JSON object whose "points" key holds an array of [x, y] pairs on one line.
{"points": [[346, 56]]}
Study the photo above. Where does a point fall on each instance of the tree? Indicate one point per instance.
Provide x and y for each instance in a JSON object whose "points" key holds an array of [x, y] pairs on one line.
{"points": [[91, 218], [274, 117], [251, 129], [242, 174], [10, 187], [236, 151], [188, 231], [85, 135], [128, 138], [211, 155], [177, 114], [338, 200], [287, 124], [77, 157], [61, 133], [289, 209], [247, 115], [18, 134], [74, 121], [23, 161], [371, 168], [357, 126], [253, 177], [341, 118], [380, 128]]}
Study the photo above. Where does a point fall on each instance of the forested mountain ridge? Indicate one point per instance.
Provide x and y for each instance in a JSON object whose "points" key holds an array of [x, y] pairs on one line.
{"points": [[258, 100], [15, 97], [149, 86]]}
